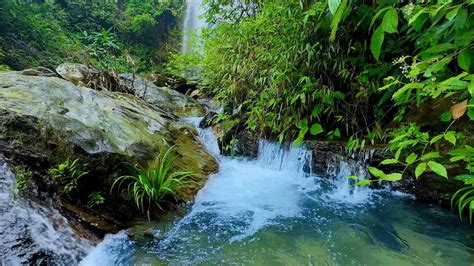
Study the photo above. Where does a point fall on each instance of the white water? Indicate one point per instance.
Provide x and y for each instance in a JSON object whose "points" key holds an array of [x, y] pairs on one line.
{"points": [[273, 210], [193, 24], [31, 232]]}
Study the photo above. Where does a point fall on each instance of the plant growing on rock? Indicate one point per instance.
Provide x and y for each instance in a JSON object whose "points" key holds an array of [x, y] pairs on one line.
{"points": [[66, 175], [154, 182], [23, 178], [95, 198]]}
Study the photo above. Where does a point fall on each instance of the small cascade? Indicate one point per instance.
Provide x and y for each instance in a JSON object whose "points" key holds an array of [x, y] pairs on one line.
{"points": [[343, 189], [32, 232], [193, 23], [273, 209]]}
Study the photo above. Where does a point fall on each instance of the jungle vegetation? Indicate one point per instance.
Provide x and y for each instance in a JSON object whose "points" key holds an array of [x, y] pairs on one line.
{"points": [[364, 72], [125, 35]]}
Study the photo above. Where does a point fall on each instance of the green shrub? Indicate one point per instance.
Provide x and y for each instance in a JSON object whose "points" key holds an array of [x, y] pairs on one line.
{"points": [[66, 175], [153, 183]]}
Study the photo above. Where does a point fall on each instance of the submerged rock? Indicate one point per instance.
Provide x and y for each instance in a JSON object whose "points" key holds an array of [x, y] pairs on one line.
{"points": [[45, 120]]}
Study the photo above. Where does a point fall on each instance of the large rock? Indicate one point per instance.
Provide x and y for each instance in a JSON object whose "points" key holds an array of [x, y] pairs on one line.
{"points": [[45, 120], [74, 73], [172, 81], [163, 97]]}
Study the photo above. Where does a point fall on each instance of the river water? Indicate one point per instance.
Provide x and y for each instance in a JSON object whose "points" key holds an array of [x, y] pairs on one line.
{"points": [[271, 211]]}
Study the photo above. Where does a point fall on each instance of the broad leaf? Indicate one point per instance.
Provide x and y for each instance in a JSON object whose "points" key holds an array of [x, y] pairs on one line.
{"points": [[316, 129], [430, 155], [389, 161], [438, 168], [390, 21], [420, 169], [392, 177], [465, 59], [450, 136], [362, 183], [376, 42], [411, 158], [376, 172], [333, 5], [459, 109]]}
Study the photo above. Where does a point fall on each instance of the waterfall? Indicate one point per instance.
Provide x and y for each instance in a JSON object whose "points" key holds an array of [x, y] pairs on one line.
{"points": [[34, 233], [193, 24]]}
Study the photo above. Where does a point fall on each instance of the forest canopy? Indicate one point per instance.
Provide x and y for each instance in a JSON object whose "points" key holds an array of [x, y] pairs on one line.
{"points": [[124, 35]]}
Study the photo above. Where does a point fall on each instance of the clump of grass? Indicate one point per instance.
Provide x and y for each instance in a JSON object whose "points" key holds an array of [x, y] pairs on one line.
{"points": [[23, 179], [154, 182], [66, 175]]}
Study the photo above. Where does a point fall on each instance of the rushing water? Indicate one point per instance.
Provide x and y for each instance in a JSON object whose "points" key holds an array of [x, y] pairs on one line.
{"points": [[33, 233], [193, 23], [271, 211]]}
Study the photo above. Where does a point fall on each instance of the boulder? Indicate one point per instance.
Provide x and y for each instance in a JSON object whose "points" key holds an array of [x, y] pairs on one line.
{"points": [[74, 73], [45, 120], [172, 81], [164, 97]]}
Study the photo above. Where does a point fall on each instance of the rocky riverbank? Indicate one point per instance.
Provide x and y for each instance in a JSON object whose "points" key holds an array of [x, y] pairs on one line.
{"points": [[48, 117]]}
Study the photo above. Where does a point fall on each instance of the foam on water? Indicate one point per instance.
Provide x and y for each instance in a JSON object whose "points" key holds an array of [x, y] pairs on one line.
{"points": [[268, 206]]}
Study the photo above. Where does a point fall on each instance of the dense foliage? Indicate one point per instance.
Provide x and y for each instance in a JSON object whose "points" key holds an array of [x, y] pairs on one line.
{"points": [[387, 71], [126, 35]]}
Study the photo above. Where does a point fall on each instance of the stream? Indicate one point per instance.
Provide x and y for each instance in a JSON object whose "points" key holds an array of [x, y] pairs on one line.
{"points": [[271, 211]]}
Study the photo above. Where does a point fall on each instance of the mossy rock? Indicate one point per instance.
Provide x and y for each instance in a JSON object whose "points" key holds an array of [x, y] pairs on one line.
{"points": [[45, 120]]}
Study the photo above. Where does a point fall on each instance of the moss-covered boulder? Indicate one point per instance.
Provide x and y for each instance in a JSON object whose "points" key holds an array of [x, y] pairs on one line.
{"points": [[164, 97], [44, 120]]}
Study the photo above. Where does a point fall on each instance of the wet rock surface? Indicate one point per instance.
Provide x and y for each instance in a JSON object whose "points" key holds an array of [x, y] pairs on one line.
{"points": [[45, 120]]}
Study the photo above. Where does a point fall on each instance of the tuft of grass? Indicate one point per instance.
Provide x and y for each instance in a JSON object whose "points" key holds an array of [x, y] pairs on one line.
{"points": [[154, 182]]}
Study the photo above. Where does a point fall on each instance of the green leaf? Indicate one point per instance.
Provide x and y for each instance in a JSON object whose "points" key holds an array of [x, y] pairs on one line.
{"points": [[465, 178], [337, 19], [397, 154], [392, 177], [333, 5], [376, 172], [438, 168], [303, 123], [316, 129], [389, 161], [362, 183], [376, 42], [298, 141], [380, 12], [411, 158], [430, 155], [420, 169], [436, 138], [390, 21], [353, 177], [337, 133], [450, 136], [465, 59], [317, 109], [446, 117]]}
